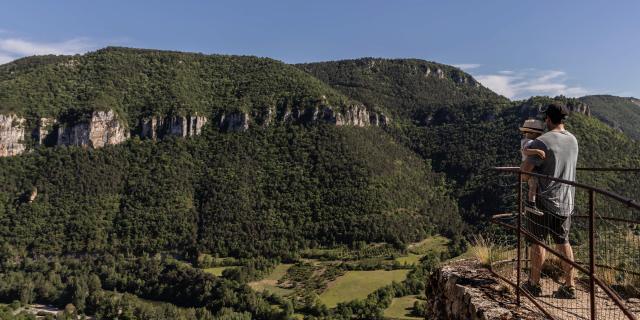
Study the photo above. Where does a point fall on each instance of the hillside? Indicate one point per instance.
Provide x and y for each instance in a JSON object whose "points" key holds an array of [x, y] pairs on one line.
{"points": [[107, 96], [137, 83], [266, 189], [621, 113], [406, 87], [118, 162], [465, 129], [134, 171]]}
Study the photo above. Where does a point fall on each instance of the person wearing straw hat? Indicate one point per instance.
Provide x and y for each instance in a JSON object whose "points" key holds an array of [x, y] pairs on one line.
{"points": [[531, 129]]}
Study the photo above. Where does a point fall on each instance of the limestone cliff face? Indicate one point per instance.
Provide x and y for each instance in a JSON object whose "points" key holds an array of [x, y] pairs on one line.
{"points": [[580, 108], [104, 128], [158, 127], [11, 135], [234, 122], [532, 110], [355, 115], [44, 127]]}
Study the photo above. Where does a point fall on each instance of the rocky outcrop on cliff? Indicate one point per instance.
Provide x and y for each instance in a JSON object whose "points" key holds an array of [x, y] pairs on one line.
{"points": [[234, 121], [11, 135], [43, 129], [158, 127], [532, 109], [464, 290], [355, 115], [580, 108], [103, 128]]}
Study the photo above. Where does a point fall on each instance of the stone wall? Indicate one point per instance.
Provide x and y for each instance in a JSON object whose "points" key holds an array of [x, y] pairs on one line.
{"points": [[464, 290]]}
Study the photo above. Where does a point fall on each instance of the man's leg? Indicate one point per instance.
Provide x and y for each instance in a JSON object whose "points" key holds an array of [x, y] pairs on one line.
{"points": [[537, 253], [569, 273]]}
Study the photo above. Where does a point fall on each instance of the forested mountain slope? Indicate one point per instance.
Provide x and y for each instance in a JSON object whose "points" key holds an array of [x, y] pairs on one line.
{"points": [[621, 113], [406, 87], [465, 129], [118, 162], [268, 189]]}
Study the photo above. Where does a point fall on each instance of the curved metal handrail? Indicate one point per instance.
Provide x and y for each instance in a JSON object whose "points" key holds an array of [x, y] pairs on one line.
{"points": [[590, 269], [629, 202]]}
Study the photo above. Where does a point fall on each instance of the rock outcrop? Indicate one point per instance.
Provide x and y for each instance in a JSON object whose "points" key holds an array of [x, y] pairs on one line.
{"points": [[464, 290], [531, 109], [157, 127], [12, 130], [234, 121], [580, 108], [355, 115], [43, 128], [104, 128]]}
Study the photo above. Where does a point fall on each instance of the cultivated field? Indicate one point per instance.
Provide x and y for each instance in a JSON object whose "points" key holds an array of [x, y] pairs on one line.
{"points": [[358, 284], [270, 283]]}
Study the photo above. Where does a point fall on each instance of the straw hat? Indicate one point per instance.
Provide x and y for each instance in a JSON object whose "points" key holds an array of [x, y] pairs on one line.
{"points": [[532, 125]]}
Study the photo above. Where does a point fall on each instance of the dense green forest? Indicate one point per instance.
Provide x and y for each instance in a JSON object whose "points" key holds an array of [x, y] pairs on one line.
{"points": [[139, 83], [111, 227], [264, 192]]}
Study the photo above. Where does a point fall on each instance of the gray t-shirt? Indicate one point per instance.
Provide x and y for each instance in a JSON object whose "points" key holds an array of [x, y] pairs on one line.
{"points": [[561, 149]]}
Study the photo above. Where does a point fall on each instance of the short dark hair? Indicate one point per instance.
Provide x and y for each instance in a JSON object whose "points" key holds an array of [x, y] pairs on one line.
{"points": [[556, 112]]}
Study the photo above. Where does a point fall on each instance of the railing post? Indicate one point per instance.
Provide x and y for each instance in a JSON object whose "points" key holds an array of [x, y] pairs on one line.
{"points": [[592, 260], [518, 235]]}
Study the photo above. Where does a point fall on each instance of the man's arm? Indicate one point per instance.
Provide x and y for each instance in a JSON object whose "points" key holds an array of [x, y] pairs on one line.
{"points": [[534, 153]]}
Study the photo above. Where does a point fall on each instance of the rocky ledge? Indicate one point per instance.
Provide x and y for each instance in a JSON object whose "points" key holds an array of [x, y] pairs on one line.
{"points": [[464, 290], [354, 115], [102, 128]]}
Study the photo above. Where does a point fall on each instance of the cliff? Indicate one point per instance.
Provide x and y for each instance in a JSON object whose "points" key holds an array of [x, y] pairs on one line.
{"points": [[464, 290], [181, 126], [533, 107], [11, 135], [104, 128]]}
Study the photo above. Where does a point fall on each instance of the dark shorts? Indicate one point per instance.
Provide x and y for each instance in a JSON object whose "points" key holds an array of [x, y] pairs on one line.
{"points": [[548, 224]]}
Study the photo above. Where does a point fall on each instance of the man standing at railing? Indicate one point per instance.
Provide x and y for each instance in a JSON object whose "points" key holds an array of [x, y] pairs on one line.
{"points": [[555, 199]]}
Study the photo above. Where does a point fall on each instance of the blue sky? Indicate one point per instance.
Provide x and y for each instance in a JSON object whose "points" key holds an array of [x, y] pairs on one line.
{"points": [[518, 48]]}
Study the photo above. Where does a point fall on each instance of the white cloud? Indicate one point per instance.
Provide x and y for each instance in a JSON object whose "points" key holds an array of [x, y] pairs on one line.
{"points": [[502, 84], [467, 66], [530, 82], [5, 58], [13, 48]]}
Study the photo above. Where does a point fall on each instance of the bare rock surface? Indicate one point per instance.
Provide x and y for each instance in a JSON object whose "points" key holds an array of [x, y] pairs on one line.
{"points": [[11, 135], [157, 127], [464, 290], [103, 128]]}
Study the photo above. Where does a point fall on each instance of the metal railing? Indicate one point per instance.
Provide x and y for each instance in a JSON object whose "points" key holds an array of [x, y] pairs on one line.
{"points": [[601, 271]]}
